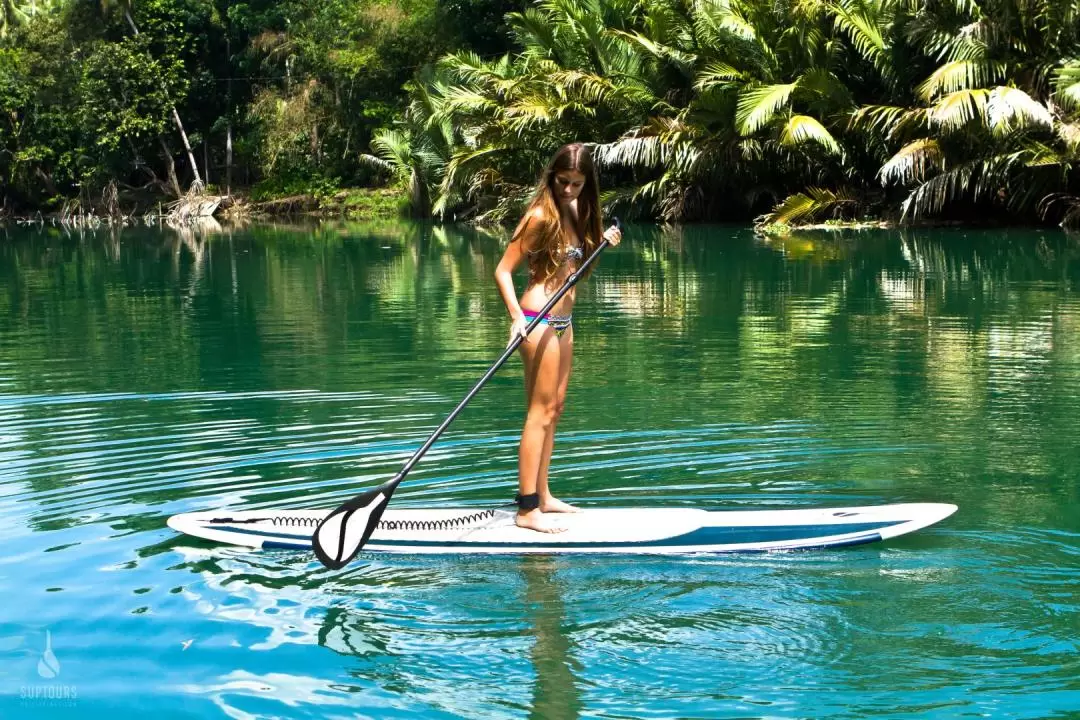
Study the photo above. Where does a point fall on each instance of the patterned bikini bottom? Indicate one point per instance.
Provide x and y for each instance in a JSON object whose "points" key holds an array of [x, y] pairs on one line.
{"points": [[558, 323]]}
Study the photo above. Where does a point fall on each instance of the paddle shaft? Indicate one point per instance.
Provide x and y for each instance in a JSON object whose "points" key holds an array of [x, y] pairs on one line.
{"points": [[570, 282]]}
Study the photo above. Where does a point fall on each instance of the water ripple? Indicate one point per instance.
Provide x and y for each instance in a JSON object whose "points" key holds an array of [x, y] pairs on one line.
{"points": [[108, 461], [274, 368]]}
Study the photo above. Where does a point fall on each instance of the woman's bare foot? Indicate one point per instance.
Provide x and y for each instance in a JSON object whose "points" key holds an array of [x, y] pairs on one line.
{"points": [[551, 504], [534, 520]]}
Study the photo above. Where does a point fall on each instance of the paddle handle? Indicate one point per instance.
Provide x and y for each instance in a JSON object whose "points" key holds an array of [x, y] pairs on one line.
{"points": [[513, 346]]}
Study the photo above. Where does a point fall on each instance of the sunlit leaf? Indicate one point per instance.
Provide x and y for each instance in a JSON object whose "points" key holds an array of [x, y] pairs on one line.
{"points": [[912, 163], [801, 129], [959, 108], [757, 106], [960, 75], [1009, 108]]}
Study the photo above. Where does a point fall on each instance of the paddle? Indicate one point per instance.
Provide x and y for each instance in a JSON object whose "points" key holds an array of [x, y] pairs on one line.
{"points": [[342, 533]]}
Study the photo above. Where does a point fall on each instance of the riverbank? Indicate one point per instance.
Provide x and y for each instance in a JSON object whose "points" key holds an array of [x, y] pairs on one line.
{"points": [[387, 203], [248, 203]]}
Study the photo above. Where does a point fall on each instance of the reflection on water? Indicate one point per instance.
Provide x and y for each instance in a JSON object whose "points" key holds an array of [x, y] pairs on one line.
{"points": [[556, 695], [149, 372]]}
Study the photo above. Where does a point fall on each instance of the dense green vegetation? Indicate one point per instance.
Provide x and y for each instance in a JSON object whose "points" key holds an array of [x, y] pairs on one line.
{"points": [[284, 95], [788, 110]]}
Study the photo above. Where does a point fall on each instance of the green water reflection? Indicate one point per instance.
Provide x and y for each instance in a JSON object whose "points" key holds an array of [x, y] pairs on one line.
{"points": [[150, 371]]}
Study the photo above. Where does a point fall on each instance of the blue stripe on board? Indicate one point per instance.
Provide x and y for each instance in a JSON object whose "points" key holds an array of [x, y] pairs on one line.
{"points": [[699, 537], [846, 542], [273, 545]]}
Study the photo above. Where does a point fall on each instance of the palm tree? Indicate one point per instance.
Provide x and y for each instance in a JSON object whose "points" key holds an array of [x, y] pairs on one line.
{"points": [[574, 79], [751, 94], [988, 125], [418, 151], [823, 106]]}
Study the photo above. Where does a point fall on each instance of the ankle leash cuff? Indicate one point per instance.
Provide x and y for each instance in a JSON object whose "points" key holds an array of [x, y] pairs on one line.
{"points": [[528, 502]]}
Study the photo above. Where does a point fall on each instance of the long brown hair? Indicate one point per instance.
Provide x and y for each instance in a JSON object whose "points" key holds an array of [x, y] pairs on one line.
{"points": [[546, 252]]}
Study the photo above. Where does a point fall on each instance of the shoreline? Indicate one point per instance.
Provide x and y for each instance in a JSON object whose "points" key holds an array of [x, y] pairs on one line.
{"points": [[344, 204], [390, 204]]}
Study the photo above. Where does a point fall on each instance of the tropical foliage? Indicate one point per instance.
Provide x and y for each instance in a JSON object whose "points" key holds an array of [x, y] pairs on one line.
{"points": [[786, 110], [806, 109], [284, 93]]}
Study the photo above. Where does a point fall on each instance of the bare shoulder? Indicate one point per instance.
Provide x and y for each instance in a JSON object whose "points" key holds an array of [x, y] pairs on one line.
{"points": [[531, 228]]}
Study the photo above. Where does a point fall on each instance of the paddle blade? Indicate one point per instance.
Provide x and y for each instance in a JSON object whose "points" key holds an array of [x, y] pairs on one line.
{"points": [[342, 533]]}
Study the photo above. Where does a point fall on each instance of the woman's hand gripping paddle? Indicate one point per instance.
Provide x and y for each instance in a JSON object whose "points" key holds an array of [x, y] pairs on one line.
{"points": [[342, 533]]}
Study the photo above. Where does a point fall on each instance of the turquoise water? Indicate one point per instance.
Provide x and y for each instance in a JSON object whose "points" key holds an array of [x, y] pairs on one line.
{"points": [[148, 373]]}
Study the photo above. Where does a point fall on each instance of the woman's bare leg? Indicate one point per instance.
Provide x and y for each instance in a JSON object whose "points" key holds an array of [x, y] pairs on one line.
{"points": [[548, 502], [542, 364]]}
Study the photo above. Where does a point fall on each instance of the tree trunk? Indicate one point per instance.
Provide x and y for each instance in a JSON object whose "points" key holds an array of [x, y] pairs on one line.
{"points": [[176, 119], [228, 159], [228, 129], [47, 180], [187, 145], [145, 167], [170, 166], [419, 197]]}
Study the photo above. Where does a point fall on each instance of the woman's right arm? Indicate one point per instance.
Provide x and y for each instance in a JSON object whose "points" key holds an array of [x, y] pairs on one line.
{"points": [[504, 276]]}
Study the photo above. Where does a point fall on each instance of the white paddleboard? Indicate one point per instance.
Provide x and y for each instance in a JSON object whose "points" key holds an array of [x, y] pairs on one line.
{"points": [[600, 530]]}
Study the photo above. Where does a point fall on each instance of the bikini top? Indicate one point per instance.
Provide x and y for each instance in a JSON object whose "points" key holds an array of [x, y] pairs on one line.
{"points": [[574, 253]]}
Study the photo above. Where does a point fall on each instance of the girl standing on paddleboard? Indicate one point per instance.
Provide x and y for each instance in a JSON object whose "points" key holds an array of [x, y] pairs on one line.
{"points": [[559, 230]]}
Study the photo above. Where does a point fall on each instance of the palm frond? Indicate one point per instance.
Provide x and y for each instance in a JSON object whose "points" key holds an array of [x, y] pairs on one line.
{"points": [[634, 151], [716, 74], [1061, 205], [1042, 155], [465, 100], [1067, 86], [534, 30], [801, 129], [931, 196], [957, 109], [1069, 134], [394, 148], [960, 75], [887, 121], [813, 204], [682, 59], [467, 66], [751, 150], [758, 105], [1010, 108], [851, 19], [712, 19], [377, 163], [586, 86], [463, 164], [829, 92], [912, 162]]}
